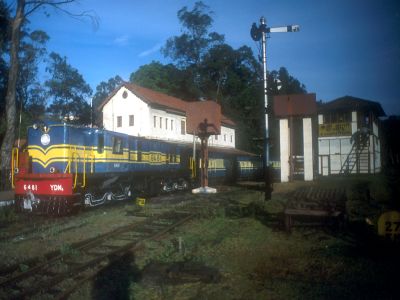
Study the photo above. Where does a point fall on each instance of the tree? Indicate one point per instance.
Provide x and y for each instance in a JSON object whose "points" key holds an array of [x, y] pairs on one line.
{"points": [[103, 90], [188, 49], [166, 79], [67, 91], [24, 8]]}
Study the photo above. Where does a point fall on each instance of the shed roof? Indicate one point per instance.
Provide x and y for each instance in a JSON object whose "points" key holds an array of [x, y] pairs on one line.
{"points": [[349, 103]]}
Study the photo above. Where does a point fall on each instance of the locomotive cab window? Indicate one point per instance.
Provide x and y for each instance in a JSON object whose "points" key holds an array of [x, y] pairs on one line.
{"points": [[100, 143], [117, 145]]}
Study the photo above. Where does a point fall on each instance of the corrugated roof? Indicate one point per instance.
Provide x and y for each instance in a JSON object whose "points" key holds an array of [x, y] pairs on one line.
{"points": [[349, 103], [154, 98]]}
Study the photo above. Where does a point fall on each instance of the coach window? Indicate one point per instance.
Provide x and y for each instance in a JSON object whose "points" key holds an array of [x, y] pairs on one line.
{"points": [[119, 121], [117, 145], [172, 155], [100, 143], [139, 151]]}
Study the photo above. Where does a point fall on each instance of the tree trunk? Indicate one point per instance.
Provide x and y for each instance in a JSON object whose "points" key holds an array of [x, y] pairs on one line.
{"points": [[8, 141]]}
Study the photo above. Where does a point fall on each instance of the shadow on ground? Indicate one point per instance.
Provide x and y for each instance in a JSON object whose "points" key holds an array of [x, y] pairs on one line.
{"points": [[114, 281]]}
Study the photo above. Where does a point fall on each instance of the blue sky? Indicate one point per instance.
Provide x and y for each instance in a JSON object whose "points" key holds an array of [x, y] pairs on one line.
{"points": [[344, 47]]}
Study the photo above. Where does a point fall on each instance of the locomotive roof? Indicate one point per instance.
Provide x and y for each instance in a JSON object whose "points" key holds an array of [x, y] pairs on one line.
{"points": [[158, 99]]}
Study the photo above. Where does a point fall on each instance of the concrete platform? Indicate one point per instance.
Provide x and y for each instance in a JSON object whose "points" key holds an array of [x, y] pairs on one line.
{"points": [[6, 198], [6, 195], [204, 190]]}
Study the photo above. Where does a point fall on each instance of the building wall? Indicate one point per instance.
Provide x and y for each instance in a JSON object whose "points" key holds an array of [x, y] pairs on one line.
{"points": [[153, 123], [118, 106], [285, 149], [308, 149]]}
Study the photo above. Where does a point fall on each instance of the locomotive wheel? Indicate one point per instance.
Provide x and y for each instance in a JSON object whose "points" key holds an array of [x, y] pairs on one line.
{"points": [[128, 192]]}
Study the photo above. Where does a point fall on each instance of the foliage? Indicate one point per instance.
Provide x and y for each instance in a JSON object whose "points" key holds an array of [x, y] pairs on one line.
{"points": [[167, 79], [189, 48], [15, 34], [67, 90], [206, 67]]}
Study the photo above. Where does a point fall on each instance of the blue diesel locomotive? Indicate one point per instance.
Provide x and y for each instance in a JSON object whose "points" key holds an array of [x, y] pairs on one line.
{"points": [[65, 166]]}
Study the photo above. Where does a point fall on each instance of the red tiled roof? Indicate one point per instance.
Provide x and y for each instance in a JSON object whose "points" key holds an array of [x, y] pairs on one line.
{"points": [[156, 98]]}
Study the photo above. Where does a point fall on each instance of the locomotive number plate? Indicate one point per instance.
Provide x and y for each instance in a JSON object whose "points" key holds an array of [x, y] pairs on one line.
{"points": [[30, 187]]}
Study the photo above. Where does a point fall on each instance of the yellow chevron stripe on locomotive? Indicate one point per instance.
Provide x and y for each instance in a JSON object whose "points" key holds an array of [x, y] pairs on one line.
{"points": [[66, 153]]}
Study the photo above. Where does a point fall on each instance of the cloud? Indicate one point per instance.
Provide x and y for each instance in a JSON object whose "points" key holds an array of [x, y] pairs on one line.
{"points": [[152, 50], [121, 40]]}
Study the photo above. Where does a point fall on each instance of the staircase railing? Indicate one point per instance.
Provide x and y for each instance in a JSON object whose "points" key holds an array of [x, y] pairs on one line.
{"points": [[360, 143]]}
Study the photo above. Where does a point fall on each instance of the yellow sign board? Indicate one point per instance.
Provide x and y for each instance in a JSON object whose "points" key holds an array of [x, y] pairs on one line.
{"points": [[389, 225], [140, 201], [334, 129]]}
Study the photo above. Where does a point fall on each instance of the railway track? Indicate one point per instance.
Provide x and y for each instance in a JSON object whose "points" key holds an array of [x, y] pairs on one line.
{"points": [[62, 273]]}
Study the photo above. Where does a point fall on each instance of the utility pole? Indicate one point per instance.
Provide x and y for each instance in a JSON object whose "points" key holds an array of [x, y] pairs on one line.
{"points": [[260, 33]]}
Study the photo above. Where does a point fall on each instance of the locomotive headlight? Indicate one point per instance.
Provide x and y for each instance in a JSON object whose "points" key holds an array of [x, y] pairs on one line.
{"points": [[45, 139], [35, 126]]}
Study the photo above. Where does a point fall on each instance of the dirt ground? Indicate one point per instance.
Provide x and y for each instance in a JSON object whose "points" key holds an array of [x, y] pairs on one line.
{"points": [[237, 248]]}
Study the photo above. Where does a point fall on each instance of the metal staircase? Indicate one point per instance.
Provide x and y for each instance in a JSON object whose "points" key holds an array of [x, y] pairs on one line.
{"points": [[359, 156]]}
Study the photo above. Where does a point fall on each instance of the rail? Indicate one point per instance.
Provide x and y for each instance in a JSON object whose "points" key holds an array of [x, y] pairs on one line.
{"points": [[99, 253]]}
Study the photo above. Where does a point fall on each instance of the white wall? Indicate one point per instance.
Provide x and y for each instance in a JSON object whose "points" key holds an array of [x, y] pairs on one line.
{"points": [[131, 105], [144, 115], [354, 125], [308, 150], [285, 149], [225, 139]]}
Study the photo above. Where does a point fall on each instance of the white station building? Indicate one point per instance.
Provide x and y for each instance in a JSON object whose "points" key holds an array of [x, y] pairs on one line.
{"points": [[140, 111]]}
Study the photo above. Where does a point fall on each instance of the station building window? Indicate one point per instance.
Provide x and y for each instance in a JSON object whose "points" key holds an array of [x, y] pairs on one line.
{"points": [[131, 120], [183, 127], [119, 121]]}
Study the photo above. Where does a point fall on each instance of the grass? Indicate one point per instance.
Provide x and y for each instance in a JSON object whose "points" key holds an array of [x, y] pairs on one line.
{"points": [[256, 262], [234, 250], [7, 215]]}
